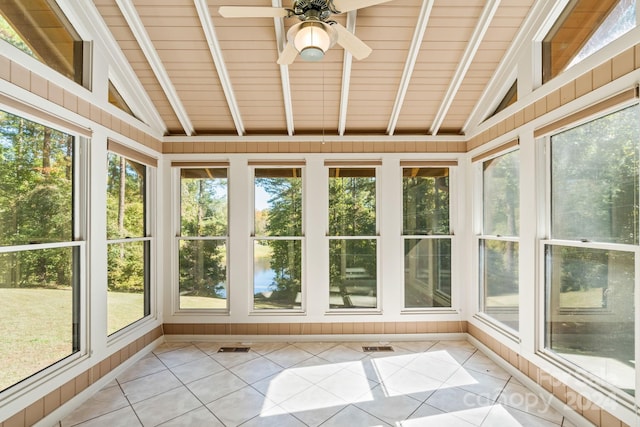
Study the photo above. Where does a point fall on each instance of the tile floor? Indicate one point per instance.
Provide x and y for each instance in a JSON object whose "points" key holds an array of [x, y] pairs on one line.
{"points": [[435, 383]]}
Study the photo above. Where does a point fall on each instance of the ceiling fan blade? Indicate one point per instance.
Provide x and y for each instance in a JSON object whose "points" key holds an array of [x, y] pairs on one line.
{"points": [[288, 54], [351, 43], [348, 5], [252, 12]]}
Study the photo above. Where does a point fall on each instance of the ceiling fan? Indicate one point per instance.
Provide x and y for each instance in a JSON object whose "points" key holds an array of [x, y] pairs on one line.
{"points": [[316, 32]]}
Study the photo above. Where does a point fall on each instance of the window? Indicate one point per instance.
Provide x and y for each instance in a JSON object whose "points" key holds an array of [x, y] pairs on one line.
{"points": [[203, 238], [426, 235], [509, 98], [40, 249], [584, 27], [353, 260], [128, 243], [40, 29], [277, 243], [116, 99], [590, 257], [499, 238]]}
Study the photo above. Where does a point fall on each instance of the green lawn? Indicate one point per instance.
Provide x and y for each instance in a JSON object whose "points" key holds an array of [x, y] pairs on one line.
{"points": [[36, 327]]}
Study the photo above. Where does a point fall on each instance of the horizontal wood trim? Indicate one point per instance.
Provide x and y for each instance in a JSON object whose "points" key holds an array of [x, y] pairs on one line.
{"points": [[494, 151], [200, 164], [428, 163], [592, 110], [130, 153], [277, 163], [57, 122], [352, 163]]}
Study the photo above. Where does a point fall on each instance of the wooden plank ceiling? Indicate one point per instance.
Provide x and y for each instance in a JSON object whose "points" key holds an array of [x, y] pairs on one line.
{"points": [[208, 75]]}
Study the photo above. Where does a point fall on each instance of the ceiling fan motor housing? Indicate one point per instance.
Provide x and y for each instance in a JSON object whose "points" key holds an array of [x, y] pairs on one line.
{"points": [[313, 9]]}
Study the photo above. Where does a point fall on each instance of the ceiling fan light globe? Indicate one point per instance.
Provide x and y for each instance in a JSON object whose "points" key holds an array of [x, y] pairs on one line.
{"points": [[312, 36], [311, 54]]}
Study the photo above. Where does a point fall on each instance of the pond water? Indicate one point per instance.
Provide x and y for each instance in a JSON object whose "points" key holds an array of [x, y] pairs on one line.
{"points": [[263, 275]]}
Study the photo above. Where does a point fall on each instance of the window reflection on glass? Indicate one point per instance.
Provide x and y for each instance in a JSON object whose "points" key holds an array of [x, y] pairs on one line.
{"points": [[590, 311], [425, 201], [584, 27], [203, 243], [40, 29], [594, 190], [427, 273], [501, 195], [500, 281], [277, 274], [203, 274], [278, 202], [352, 201], [353, 273]]}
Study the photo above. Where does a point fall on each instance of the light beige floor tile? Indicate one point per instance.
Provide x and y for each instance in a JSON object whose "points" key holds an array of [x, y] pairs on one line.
{"points": [[148, 365], [263, 348], [315, 348], [415, 346], [314, 405], [354, 416], [468, 406], [391, 409], [427, 415], [240, 406], [316, 369], [103, 402], [274, 417], [288, 356], [198, 417], [341, 353], [166, 406], [481, 363], [256, 370], [197, 369], [210, 347], [282, 386], [348, 386], [409, 383], [485, 385], [516, 396], [150, 385], [170, 346], [504, 416], [432, 367], [215, 386], [124, 417], [181, 356]]}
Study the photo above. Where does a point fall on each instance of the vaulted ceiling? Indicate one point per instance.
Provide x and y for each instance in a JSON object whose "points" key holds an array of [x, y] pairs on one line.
{"points": [[209, 75]]}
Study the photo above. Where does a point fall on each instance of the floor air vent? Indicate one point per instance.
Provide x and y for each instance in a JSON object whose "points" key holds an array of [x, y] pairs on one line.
{"points": [[377, 348], [233, 350]]}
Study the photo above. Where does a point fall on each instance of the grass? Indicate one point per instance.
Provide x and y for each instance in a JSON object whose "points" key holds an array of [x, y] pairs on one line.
{"points": [[36, 327], [187, 302]]}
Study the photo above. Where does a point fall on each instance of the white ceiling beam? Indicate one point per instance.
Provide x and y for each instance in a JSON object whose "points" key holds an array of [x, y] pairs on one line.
{"points": [[125, 78], [484, 22], [216, 53], [281, 40], [347, 61], [142, 37], [412, 56]]}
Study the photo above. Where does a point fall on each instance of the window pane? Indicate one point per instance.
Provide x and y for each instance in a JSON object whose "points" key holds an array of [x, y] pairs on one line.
{"points": [[501, 195], [127, 277], [590, 311], [594, 180], [125, 197], [584, 27], [425, 201], [203, 274], [277, 274], [116, 99], [38, 320], [500, 281], [352, 273], [278, 202], [36, 172], [352, 201], [427, 273], [203, 205], [40, 29]]}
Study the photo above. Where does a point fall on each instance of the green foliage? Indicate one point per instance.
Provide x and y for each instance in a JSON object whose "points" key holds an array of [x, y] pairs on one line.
{"points": [[35, 201], [425, 205], [8, 34], [352, 206], [202, 263]]}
